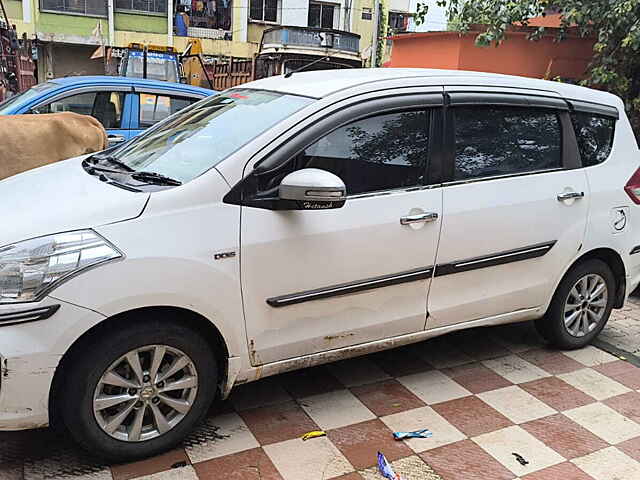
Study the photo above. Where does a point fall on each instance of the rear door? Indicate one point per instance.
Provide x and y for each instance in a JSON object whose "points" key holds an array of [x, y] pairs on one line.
{"points": [[515, 206]]}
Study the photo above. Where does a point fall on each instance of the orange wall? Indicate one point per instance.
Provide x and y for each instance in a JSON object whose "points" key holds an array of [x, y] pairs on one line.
{"points": [[515, 56], [435, 51]]}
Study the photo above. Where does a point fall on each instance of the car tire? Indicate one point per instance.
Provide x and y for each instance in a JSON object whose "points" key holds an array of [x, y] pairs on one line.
{"points": [[574, 319], [99, 376]]}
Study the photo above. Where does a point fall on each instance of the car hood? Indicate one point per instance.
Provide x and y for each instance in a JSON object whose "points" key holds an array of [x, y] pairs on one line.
{"points": [[61, 197]]}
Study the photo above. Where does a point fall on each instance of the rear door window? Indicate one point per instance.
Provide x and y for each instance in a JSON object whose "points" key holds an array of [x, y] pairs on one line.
{"points": [[154, 108], [595, 136], [501, 140]]}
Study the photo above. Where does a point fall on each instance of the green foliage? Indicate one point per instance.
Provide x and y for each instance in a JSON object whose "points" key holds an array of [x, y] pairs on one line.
{"points": [[382, 34], [401, 134], [615, 25]]}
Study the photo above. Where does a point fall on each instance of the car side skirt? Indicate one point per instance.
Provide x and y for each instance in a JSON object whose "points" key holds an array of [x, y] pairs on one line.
{"points": [[329, 356]]}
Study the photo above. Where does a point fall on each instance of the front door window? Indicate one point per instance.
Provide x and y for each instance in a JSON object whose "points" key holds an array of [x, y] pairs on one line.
{"points": [[382, 152], [106, 107]]}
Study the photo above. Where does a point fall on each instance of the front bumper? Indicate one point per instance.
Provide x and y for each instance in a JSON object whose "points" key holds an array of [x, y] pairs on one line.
{"points": [[29, 355]]}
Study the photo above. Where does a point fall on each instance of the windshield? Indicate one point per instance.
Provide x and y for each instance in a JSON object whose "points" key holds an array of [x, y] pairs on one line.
{"points": [[194, 140], [6, 107], [164, 69]]}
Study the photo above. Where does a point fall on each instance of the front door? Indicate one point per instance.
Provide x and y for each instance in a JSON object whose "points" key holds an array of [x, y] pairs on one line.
{"points": [[105, 104], [314, 281], [515, 208]]}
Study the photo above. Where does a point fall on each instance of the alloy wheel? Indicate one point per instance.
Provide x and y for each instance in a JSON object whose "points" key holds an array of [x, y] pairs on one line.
{"points": [[145, 393], [585, 305]]}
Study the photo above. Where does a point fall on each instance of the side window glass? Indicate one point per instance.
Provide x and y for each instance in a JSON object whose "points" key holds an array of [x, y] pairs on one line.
{"points": [[106, 107], [154, 108], [378, 153], [494, 141], [81, 103], [178, 103], [595, 137]]}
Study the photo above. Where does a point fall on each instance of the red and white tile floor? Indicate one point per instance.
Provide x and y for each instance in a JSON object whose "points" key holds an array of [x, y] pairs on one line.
{"points": [[486, 395]]}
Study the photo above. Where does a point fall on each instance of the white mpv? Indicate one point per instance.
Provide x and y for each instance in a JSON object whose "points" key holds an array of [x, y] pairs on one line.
{"points": [[295, 221]]}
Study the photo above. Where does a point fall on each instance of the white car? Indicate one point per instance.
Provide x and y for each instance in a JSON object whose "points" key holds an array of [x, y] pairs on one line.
{"points": [[296, 221]]}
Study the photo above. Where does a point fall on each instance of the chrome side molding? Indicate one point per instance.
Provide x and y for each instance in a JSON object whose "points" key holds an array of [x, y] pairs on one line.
{"points": [[499, 258], [351, 287]]}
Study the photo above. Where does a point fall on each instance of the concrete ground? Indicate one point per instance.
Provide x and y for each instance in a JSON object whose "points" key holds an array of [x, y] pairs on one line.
{"points": [[490, 396]]}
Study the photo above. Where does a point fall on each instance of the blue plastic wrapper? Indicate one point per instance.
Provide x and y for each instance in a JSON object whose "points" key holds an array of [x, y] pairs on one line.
{"points": [[385, 469], [424, 433]]}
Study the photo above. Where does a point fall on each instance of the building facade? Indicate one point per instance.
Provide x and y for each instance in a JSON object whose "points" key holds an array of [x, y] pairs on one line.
{"points": [[401, 17], [82, 37]]}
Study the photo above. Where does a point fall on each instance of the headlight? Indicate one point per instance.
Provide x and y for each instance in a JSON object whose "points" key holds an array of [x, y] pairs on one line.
{"points": [[30, 269]]}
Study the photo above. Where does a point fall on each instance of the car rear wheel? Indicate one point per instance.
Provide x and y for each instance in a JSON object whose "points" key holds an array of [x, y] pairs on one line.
{"points": [[139, 391], [580, 307]]}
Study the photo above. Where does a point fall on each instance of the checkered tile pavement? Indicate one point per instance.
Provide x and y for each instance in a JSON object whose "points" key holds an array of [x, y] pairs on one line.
{"points": [[486, 395], [622, 332]]}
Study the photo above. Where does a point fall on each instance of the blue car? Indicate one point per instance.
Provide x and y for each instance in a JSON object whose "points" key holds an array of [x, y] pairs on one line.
{"points": [[125, 106]]}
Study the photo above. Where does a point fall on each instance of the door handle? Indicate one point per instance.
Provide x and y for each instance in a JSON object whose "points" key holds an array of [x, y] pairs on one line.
{"points": [[419, 218], [570, 196], [115, 138]]}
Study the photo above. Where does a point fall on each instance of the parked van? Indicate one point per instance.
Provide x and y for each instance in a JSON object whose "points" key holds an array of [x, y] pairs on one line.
{"points": [[296, 221]]}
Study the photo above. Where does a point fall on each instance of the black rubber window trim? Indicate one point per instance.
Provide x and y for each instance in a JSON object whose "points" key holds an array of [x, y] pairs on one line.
{"points": [[334, 120], [595, 108], [506, 99]]}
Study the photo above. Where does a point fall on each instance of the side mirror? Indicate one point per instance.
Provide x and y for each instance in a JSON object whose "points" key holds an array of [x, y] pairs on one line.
{"points": [[313, 189]]}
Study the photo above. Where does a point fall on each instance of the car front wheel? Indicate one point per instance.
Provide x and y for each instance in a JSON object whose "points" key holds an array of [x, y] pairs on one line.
{"points": [[139, 391]]}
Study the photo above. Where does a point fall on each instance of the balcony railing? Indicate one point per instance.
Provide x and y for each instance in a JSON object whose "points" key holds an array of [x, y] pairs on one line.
{"points": [[212, 33], [144, 6], [314, 38], [80, 7]]}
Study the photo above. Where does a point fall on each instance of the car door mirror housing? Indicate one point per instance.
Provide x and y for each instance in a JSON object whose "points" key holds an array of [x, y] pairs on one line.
{"points": [[305, 189], [313, 189]]}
